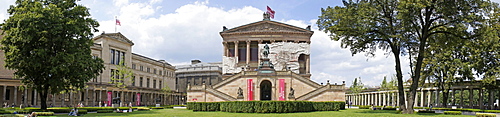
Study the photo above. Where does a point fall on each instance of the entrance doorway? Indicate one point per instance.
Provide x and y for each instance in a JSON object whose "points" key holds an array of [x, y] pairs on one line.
{"points": [[265, 90]]}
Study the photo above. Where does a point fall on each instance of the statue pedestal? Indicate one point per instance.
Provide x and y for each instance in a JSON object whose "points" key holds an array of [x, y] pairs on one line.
{"points": [[291, 98], [240, 98]]}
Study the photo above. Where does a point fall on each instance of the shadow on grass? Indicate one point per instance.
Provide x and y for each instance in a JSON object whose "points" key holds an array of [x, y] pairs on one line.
{"points": [[376, 111], [429, 114]]}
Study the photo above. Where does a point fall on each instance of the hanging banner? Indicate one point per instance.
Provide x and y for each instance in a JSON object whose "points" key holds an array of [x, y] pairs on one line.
{"points": [[109, 98], [138, 99], [250, 89], [282, 89]]}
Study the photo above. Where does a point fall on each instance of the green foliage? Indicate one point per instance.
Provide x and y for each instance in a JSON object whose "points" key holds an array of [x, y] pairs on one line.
{"points": [[47, 44], [157, 107], [426, 111], [357, 86], [143, 108], [391, 85], [44, 113], [104, 111], [453, 112], [94, 109], [485, 115], [266, 106], [122, 75], [410, 27]]}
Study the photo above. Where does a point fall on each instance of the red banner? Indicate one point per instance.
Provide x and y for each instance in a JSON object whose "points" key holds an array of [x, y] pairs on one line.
{"points": [[138, 99], [109, 98], [250, 89], [282, 89]]}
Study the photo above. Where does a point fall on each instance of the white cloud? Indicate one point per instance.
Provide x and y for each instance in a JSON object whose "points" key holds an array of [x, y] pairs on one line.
{"points": [[192, 32]]}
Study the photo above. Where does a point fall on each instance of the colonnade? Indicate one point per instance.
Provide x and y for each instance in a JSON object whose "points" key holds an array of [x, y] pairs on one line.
{"points": [[252, 52], [427, 97], [91, 96]]}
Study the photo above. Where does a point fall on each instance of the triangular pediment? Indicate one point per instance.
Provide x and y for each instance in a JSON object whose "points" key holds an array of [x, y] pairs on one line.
{"points": [[117, 36], [267, 26]]}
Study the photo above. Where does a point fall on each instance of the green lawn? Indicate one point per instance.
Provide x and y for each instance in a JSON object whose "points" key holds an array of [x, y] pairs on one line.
{"points": [[189, 113]]}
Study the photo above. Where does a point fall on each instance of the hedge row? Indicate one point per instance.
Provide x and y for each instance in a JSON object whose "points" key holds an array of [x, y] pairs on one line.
{"points": [[453, 112], [44, 113], [485, 115], [266, 106]]}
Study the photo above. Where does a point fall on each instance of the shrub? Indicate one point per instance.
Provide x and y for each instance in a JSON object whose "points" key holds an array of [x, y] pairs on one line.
{"points": [[59, 110], [82, 111], [157, 107], [265, 106], [44, 113], [426, 111], [492, 111], [485, 115], [143, 108], [104, 111], [453, 112]]}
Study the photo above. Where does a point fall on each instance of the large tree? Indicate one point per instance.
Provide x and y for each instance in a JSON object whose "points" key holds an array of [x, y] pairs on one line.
{"points": [[47, 43], [403, 27]]}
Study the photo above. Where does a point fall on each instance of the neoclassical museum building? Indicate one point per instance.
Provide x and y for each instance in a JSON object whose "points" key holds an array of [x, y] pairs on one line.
{"points": [[150, 76], [266, 60]]}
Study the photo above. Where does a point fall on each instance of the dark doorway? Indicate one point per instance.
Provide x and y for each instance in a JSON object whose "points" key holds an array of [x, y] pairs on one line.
{"points": [[265, 90]]}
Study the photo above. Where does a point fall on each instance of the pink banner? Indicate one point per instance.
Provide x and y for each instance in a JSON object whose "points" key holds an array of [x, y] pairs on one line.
{"points": [[250, 89], [138, 99], [282, 89], [109, 98]]}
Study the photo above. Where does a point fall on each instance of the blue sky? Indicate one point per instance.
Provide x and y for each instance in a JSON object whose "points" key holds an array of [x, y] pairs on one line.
{"points": [[182, 30]]}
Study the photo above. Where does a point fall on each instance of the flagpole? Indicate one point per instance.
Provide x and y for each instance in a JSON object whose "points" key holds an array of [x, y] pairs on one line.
{"points": [[115, 24]]}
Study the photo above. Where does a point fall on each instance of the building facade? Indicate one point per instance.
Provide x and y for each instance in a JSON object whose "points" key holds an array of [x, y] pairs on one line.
{"points": [[145, 87], [196, 74], [266, 60]]}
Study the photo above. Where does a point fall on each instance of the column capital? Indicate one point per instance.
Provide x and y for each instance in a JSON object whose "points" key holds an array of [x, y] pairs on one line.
{"points": [[260, 41], [236, 42], [248, 41]]}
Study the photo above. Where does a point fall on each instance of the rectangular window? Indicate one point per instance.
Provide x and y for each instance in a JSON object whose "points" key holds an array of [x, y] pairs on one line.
{"points": [[140, 82], [118, 57], [133, 80], [133, 66], [147, 83], [148, 69], [154, 83], [154, 71], [231, 53], [142, 68], [112, 56], [160, 72], [7, 94], [112, 75], [159, 84], [123, 58]]}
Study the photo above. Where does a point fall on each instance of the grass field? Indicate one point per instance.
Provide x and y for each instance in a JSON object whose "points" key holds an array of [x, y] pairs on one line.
{"points": [[341, 113]]}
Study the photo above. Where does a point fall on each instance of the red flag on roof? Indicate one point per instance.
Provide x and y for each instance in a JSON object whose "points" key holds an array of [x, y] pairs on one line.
{"points": [[270, 12], [118, 22]]}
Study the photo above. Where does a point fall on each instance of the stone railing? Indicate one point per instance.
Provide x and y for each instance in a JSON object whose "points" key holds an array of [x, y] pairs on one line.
{"points": [[313, 93], [307, 81], [230, 79], [221, 95]]}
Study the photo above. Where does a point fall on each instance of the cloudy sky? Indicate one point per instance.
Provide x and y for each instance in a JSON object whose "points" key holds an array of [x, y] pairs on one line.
{"points": [[182, 30]]}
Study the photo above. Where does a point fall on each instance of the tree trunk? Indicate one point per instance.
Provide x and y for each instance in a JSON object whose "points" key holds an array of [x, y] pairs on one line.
{"points": [[445, 98], [399, 75], [43, 98]]}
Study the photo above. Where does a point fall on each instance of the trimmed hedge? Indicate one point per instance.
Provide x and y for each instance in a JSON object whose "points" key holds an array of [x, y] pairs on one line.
{"points": [[104, 111], [485, 115], [492, 111], [44, 113], [453, 112], [157, 107], [82, 111], [266, 106], [94, 109], [426, 111], [143, 108]]}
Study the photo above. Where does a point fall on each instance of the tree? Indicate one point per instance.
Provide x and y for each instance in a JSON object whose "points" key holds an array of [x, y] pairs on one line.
{"points": [[403, 27], [121, 76], [47, 43], [387, 86], [357, 86]]}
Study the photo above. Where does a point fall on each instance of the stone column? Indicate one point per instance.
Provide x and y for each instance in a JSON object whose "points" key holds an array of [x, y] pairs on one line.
{"points": [[35, 99], [225, 51], [258, 50], [15, 95], [384, 99], [63, 98], [236, 50], [86, 97], [422, 97], [248, 52], [25, 98], [429, 95], [453, 98]]}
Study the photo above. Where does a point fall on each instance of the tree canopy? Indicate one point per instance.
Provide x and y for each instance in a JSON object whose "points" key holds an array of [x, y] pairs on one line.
{"points": [[357, 86], [405, 27], [47, 43]]}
